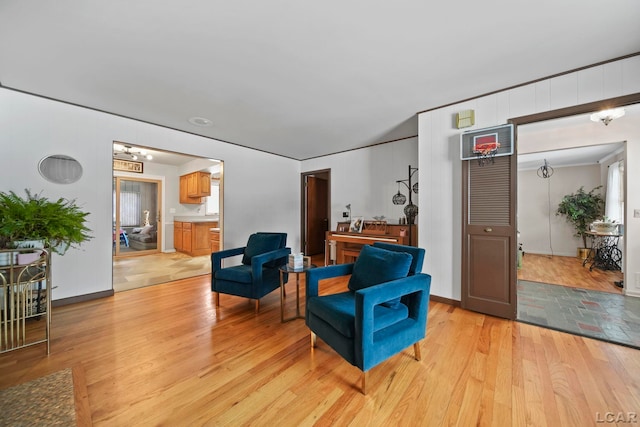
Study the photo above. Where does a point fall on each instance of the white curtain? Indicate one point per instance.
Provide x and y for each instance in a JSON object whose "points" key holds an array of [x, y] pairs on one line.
{"points": [[614, 204]]}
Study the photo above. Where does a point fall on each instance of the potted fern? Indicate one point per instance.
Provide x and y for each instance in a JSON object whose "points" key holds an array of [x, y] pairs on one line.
{"points": [[581, 209], [59, 224]]}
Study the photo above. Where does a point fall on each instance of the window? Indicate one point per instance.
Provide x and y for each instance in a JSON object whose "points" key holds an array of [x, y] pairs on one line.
{"points": [[130, 212], [614, 204], [212, 206]]}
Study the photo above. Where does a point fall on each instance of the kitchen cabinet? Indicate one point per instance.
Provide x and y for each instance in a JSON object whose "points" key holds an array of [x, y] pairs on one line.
{"points": [[194, 187], [214, 238], [199, 184], [184, 196], [193, 238]]}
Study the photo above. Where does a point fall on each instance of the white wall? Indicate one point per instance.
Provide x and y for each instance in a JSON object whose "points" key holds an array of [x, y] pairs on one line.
{"points": [[541, 230], [440, 220], [261, 190], [366, 179]]}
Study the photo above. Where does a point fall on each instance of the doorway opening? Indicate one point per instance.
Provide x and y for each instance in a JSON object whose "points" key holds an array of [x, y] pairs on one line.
{"points": [[557, 288], [151, 203], [137, 226], [316, 213]]}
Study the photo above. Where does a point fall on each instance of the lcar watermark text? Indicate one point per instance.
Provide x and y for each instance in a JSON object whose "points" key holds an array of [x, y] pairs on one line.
{"points": [[617, 417]]}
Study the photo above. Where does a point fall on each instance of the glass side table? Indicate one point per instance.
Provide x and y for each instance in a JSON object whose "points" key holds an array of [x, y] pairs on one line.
{"points": [[285, 269]]}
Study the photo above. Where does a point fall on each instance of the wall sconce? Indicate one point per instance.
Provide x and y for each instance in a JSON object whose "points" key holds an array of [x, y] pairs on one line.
{"points": [[606, 116]]}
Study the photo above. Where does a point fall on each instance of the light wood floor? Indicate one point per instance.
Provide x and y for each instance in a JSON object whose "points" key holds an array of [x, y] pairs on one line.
{"points": [[134, 272], [567, 271], [164, 355]]}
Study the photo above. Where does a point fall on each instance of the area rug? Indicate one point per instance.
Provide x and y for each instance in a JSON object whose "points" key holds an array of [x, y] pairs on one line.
{"points": [[45, 401], [601, 315]]}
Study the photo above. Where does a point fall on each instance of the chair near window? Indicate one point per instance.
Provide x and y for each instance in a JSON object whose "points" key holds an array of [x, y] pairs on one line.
{"points": [[258, 273], [383, 312]]}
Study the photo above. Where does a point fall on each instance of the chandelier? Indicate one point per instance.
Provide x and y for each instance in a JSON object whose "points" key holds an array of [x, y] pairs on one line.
{"points": [[129, 152]]}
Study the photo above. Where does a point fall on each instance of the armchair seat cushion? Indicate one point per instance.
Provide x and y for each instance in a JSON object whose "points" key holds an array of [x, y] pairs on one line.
{"points": [[238, 273], [338, 310]]}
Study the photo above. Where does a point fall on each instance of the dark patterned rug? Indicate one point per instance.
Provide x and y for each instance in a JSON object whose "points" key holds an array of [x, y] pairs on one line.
{"points": [[45, 401], [601, 315]]}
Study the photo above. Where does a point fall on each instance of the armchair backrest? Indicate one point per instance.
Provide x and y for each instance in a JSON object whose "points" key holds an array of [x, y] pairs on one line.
{"points": [[283, 238], [262, 242], [416, 253]]}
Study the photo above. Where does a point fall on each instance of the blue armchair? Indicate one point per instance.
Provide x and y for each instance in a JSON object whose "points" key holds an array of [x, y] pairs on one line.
{"points": [[383, 312], [258, 274]]}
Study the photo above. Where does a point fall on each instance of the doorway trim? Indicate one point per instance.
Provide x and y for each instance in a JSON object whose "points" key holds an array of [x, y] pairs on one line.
{"points": [[303, 202]]}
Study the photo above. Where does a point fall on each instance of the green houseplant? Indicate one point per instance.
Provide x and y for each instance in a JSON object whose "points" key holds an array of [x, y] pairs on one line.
{"points": [[60, 224], [581, 209]]}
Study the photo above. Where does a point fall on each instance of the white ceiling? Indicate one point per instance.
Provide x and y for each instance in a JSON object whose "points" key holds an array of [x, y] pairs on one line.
{"points": [[300, 79]]}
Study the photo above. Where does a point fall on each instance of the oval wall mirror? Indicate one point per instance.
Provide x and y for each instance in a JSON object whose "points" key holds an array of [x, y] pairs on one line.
{"points": [[60, 169]]}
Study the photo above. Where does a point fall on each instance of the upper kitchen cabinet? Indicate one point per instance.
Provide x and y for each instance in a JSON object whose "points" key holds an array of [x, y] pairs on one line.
{"points": [[194, 186], [199, 184]]}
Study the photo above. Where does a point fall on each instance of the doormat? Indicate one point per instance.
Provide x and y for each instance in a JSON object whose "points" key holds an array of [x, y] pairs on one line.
{"points": [[45, 401], [601, 315]]}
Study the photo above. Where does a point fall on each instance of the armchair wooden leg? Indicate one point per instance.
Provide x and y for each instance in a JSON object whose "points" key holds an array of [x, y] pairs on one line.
{"points": [[216, 298], [257, 306], [416, 349], [364, 383], [314, 339]]}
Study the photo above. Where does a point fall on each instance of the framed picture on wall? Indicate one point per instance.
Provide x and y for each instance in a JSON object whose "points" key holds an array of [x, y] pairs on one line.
{"points": [[356, 224], [127, 166]]}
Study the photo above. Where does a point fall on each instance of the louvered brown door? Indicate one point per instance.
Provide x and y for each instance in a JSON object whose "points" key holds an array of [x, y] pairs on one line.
{"points": [[489, 271]]}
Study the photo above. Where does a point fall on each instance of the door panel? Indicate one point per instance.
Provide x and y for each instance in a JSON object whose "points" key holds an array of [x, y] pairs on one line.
{"points": [[489, 244], [316, 219]]}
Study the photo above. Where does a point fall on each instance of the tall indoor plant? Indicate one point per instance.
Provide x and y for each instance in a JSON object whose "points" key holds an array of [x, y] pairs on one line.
{"points": [[581, 209], [60, 224]]}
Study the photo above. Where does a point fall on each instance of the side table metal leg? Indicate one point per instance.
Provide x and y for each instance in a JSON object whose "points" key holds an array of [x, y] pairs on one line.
{"points": [[281, 297], [297, 295]]}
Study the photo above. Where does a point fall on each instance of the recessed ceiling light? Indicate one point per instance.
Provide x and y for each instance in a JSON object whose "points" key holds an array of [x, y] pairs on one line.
{"points": [[200, 121]]}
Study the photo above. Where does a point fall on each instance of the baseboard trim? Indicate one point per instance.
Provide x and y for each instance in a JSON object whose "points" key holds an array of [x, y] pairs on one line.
{"points": [[81, 298], [444, 300]]}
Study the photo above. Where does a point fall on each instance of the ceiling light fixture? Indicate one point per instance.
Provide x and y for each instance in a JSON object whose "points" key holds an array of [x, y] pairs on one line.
{"points": [[120, 150], [200, 121], [606, 116]]}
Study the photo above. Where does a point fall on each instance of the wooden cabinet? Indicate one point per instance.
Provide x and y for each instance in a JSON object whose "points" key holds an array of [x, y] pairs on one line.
{"points": [[187, 237], [199, 184], [214, 239], [195, 186], [193, 238], [177, 236]]}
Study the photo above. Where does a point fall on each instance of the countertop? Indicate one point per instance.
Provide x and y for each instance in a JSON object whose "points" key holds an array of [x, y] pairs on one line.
{"points": [[196, 218]]}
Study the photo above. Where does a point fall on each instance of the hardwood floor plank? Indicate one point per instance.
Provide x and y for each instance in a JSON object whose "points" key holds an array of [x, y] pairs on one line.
{"points": [[164, 355], [568, 271]]}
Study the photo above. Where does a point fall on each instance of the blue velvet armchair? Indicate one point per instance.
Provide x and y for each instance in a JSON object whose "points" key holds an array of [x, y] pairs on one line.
{"points": [[259, 272], [383, 312]]}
